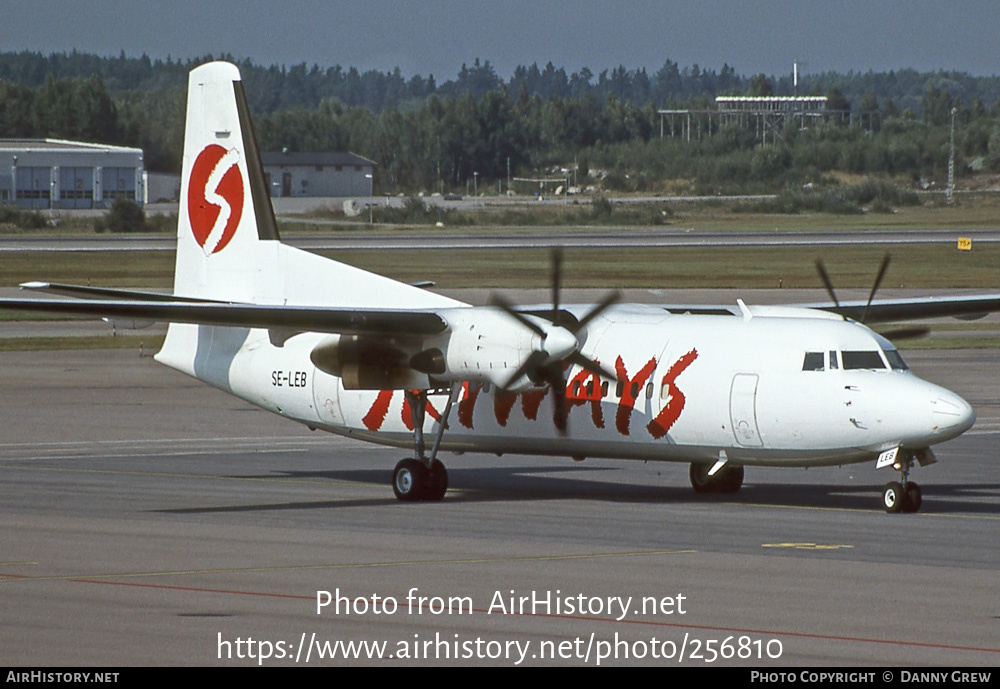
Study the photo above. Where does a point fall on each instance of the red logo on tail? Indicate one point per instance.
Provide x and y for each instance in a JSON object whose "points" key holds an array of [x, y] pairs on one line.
{"points": [[215, 197]]}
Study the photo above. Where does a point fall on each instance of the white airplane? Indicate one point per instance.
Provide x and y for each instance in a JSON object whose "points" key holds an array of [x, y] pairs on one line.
{"points": [[357, 354]]}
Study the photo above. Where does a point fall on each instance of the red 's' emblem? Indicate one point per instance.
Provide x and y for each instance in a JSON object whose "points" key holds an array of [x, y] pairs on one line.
{"points": [[215, 197]]}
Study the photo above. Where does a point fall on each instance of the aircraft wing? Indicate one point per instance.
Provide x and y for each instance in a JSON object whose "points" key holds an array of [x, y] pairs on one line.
{"points": [[291, 318], [967, 307], [101, 302]]}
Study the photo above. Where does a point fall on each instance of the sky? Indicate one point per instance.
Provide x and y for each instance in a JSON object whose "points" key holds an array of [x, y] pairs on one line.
{"points": [[437, 36]]}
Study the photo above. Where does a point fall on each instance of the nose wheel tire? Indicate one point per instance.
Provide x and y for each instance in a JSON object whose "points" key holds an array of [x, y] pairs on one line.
{"points": [[897, 497], [893, 497], [914, 497]]}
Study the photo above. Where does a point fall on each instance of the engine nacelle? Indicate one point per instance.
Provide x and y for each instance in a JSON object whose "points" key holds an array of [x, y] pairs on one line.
{"points": [[483, 344], [365, 363]]}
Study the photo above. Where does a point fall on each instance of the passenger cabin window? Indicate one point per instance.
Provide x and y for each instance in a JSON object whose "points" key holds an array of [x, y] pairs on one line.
{"points": [[813, 361], [863, 360]]}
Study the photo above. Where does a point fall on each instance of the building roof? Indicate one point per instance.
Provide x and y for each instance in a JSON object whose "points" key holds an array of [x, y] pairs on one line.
{"points": [[61, 145], [310, 158], [786, 103], [770, 99]]}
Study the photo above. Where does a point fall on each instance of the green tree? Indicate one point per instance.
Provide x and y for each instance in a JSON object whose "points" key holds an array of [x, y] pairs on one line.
{"points": [[760, 86], [123, 216]]}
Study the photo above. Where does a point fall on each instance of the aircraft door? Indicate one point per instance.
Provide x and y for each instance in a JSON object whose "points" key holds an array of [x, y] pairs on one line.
{"points": [[743, 410]]}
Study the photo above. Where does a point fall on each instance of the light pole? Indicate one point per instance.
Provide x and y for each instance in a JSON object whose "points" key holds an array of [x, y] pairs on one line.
{"points": [[371, 196], [475, 176], [951, 162]]}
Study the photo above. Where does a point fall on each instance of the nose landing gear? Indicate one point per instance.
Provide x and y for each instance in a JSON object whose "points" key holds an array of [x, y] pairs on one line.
{"points": [[903, 495]]}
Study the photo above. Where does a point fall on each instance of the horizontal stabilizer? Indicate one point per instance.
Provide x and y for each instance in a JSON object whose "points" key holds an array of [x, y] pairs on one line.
{"points": [[88, 292]]}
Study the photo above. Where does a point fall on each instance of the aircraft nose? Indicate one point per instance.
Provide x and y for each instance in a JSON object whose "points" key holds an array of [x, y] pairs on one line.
{"points": [[928, 414], [951, 414]]}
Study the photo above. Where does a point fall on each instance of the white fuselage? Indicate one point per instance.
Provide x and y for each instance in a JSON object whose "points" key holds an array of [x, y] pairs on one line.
{"points": [[689, 387]]}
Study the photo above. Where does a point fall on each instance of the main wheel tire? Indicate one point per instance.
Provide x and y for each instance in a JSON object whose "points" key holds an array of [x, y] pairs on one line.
{"points": [[894, 497], [437, 481], [730, 479], [914, 497], [409, 480], [700, 480]]}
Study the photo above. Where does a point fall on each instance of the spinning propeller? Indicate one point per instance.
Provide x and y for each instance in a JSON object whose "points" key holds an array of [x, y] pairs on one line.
{"points": [[558, 343], [899, 333]]}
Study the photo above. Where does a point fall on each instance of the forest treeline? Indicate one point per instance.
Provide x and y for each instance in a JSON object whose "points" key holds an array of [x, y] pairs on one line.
{"points": [[430, 135]]}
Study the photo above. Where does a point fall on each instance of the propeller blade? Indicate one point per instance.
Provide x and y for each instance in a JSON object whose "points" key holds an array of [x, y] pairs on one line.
{"points": [[527, 367], [554, 376], [557, 257], [508, 308], [610, 299], [827, 282], [533, 361], [595, 368], [560, 411], [878, 281]]}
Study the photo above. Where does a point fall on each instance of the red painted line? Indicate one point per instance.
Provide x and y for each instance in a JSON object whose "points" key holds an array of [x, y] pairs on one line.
{"points": [[190, 589]]}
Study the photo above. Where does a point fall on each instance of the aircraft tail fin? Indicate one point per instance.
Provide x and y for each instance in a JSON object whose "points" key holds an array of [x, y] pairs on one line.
{"points": [[225, 209], [228, 248]]}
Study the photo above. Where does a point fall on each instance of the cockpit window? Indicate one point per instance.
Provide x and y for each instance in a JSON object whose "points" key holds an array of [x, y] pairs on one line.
{"points": [[813, 361], [860, 360], [895, 360]]}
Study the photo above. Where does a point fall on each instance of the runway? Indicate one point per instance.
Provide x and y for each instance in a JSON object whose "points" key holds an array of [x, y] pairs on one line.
{"points": [[150, 520], [516, 238]]}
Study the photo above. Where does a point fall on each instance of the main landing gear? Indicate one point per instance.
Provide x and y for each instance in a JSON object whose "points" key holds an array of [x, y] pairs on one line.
{"points": [[728, 479], [412, 480], [903, 495], [422, 477]]}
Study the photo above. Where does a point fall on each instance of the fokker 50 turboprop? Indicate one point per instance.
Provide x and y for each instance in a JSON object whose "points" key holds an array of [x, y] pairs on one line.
{"points": [[358, 354]]}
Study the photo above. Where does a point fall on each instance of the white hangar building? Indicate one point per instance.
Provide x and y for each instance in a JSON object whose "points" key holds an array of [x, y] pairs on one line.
{"points": [[51, 173], [317, 174]]}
